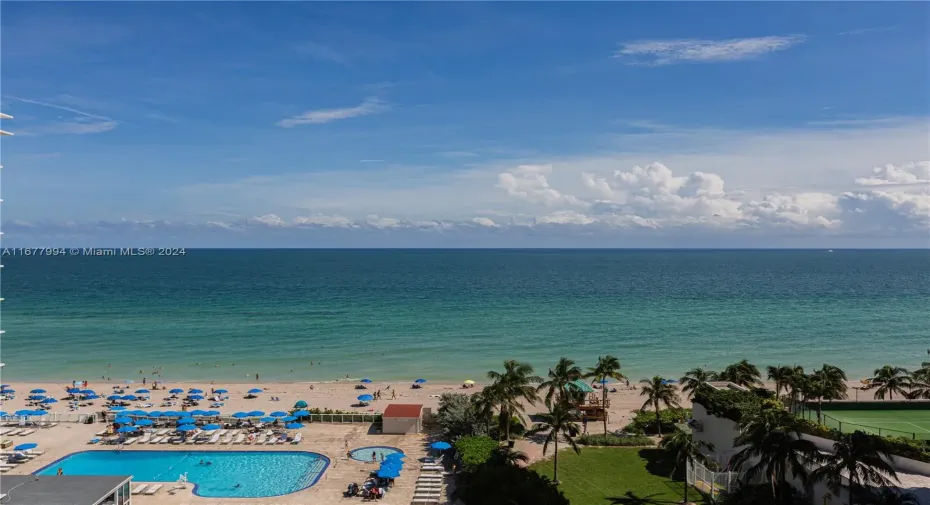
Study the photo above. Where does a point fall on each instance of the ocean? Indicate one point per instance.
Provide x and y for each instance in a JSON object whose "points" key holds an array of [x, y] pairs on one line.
{"points": [[451, 315]]}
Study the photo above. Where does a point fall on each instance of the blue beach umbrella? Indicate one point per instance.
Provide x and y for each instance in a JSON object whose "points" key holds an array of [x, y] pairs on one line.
{"points": [[91, 397], [211, 413], [49, 400], [186, 427], [212, 427], [392, 463], [25, 447], [365, 398], [73, 391], [293, 426], [185, 420], [366, 381], [4, 414], [389, 473], [254, 391], [122, 420], [288, 419], [278, 413], [175, 413], [302, 413], [117, 408], [127, 429], [196, 397], [130, 398], [7, 390], [175, 391], [268, 419], [395, 455], [144, 422], [4, 386], [256, 413], [137, 413], [241, 415], [220, 391], [36, 397], [156, 413], [198, 412], [300, 404], [39, 413], [37, 391], [87, 392], [142, 391], [195, 391], [440, 446]]}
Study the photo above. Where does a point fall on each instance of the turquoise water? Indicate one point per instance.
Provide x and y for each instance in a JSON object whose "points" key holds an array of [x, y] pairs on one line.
{"points": [[380, 452], [451, 315], [258, 474]]}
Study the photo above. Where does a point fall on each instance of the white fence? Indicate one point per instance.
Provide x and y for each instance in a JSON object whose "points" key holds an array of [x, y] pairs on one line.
{"points": [[52, 417], [711, 483]]}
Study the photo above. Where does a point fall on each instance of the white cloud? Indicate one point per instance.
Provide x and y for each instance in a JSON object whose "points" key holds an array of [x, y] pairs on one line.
{"points": [[82, 123], [915, 172], [667, 52], [483, 221], [368, 107], [529, 182]]}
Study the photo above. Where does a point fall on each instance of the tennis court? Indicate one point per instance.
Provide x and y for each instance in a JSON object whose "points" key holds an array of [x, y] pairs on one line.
{"points": [[913, 424]]}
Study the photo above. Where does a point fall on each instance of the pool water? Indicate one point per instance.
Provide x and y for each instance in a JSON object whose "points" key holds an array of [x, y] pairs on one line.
{"points": [[258, 474], [381, 452]]}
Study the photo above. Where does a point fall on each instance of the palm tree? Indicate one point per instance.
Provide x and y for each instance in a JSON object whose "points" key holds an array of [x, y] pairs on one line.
{"points": [[607, 368], [889, 380], [861, 458], [509, 457], [559, 423], [795, 383], [695, 379], [564, 373], [920, 382], [658, 392], [685, 450], [773, 447], [828, 383], [781, 376], [484, 402], [742, 373], [510, 387]]}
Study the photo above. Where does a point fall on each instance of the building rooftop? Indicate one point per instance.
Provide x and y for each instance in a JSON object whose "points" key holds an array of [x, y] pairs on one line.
{"points": [[58, 489], [726, 385], [403, 410]]}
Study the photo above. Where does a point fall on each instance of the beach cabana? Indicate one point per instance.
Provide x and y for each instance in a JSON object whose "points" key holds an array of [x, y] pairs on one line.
{"points": [[402, 419]]}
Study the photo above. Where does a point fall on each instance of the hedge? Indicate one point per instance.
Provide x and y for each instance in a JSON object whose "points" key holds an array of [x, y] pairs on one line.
{"points": [[645, 422], [474, 451], [615, 441]]}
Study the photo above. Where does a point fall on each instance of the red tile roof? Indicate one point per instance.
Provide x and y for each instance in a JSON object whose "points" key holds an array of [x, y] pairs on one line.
{"points": [[403, 410]]}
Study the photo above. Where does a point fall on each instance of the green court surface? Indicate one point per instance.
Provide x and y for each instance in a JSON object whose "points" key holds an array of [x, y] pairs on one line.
{"points": [[914, 424]]}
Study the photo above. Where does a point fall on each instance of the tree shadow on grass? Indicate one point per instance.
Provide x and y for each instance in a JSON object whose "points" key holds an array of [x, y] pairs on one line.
{"points": [[631, 498], [657, 462]]}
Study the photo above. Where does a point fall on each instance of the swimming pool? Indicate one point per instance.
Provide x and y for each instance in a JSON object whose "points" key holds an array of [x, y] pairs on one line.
{"points": [[258, 474], [380, 451]]}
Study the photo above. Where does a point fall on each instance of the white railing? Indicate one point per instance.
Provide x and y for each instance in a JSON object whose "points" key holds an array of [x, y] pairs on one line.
{"points": [[709, 482]]}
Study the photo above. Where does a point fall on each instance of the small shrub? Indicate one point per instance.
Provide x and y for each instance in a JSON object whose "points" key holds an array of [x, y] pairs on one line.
{"points": [[612, 440], [474, 451], [645, 422]]}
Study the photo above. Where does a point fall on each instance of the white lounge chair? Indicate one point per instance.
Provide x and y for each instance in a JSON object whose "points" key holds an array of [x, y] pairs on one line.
{"points": [[261, 439], [130, 441], [14, 432], [156, 439], [425, 500], [103, 433], [34, 452], [146, 438], [166, 440], [215, 438], [4, 431], [152, 489], [271, 440], [297, 438], [163, 431], [139, 488], [227, 439], [27, 432], [239, 438]]}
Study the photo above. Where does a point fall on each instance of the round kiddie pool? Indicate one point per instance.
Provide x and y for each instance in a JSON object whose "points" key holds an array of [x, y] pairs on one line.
{"points": [[378, 452]]}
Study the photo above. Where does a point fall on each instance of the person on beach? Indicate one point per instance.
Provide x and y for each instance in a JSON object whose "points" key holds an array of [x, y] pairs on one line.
{"points": [[374, 457], [393, 394], [256, 376]]}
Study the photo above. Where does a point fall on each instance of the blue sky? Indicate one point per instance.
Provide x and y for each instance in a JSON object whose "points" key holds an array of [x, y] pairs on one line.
{"points": [[448, 124]]}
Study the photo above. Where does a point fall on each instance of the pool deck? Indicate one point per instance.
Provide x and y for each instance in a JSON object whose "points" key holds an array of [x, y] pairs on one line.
{"points": [[322, 438]]}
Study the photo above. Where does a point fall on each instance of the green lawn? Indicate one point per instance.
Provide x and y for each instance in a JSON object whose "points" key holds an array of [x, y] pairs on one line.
{"points": [[616, 475]]}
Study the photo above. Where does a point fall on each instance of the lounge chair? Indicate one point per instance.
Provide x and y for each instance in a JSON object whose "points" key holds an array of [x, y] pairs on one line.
{"points": [[14, 432], [4, 431], [239, 438], [163, 431], [130, 441], [271, 440], [103, 433], [425, 500], [145, 438], [215, 438], [139, 488], [156, 439], [261, 439], [432, 468], [166, 440], [152, 489], [193, 437], [227, 439], [297, 438], [34, 452]]}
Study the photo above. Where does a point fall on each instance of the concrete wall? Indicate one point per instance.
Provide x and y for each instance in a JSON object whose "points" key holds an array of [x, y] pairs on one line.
{"points": [[900, 464], [717, 431], [400, 425]]}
